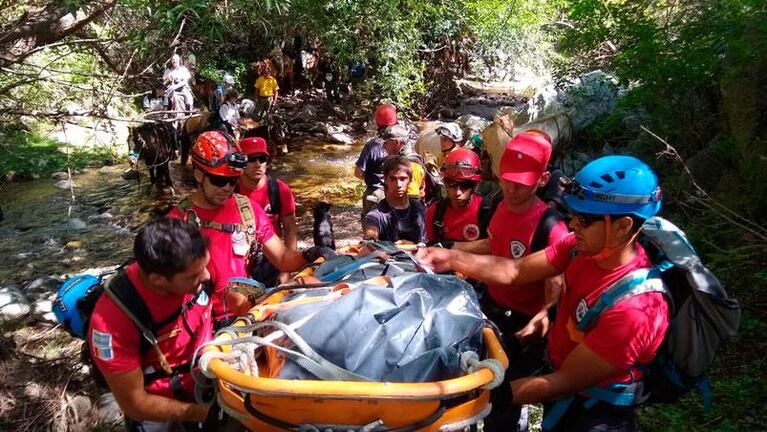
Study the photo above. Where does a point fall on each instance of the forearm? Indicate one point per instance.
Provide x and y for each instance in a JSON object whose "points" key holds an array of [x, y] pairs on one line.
{"points": [[538, 389], [476, 267], [291, 232], [162, 409], [480, 247]]}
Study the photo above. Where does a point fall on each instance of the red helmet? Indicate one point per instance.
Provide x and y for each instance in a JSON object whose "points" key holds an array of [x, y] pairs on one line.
{"points": [[386, 115], [217, 154], [462, 164]]}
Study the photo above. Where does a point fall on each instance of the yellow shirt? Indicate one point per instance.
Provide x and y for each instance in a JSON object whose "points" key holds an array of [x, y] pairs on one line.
{"points": [[414, 187], [266, 86]]}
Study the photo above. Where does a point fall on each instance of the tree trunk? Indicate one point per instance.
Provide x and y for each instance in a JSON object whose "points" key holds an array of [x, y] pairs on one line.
{"points": [[39, 27]]}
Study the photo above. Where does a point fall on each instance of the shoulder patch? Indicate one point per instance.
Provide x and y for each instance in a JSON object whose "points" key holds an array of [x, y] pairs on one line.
{"points": [[102, 343]]}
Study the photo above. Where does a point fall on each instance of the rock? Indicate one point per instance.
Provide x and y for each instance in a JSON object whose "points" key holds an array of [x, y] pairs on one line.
{"points": [[42, 285], [130, 174], [341, 138], [109, 411], [76, 224], [13, 304], [65, 184], [74, 244], [60, 176], [102, 216]]}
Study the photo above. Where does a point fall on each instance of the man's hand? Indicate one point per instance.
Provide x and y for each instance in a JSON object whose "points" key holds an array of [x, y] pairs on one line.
{"points": [[438, 259], [537, 328], [283, 278]]}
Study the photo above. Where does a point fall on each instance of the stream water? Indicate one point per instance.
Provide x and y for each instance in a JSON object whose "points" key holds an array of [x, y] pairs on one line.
{"points": [[45, 232]]}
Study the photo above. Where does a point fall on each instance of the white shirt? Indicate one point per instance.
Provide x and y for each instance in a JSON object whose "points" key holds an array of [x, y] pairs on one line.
{"points": [[229, 113]]}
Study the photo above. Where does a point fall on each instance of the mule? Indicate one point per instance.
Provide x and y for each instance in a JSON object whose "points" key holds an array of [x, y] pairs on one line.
{"points": [[155, 144]]}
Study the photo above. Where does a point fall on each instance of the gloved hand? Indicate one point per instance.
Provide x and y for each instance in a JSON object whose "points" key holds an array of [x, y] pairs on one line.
{"points": [[312, 253]]}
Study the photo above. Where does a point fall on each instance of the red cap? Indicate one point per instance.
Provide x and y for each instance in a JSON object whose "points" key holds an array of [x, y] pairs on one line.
{"points": [[254, 145], [386, 115], [525, 158]]}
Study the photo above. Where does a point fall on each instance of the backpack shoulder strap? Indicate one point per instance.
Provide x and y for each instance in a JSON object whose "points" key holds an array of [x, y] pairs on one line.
{"points": [[246, 214], [637, 282], [487, 210], [549, 220], [439, 217], [124, 295], [273, 188]]}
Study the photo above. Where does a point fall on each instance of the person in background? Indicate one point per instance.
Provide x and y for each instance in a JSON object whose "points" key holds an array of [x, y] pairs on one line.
{"points": [[369, 165], [398, 217], [451, 138], [230, 113], [267, 90]]}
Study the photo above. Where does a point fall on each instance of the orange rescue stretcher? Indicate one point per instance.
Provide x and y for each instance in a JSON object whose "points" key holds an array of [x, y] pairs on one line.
{"points": [[264, 403]]}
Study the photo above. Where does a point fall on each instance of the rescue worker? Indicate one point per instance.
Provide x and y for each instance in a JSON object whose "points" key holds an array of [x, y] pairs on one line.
{"points": [[168, 277], [609, 200], [457, 218], [398, 217], [275, 197], [521, 224], [369, 165], [235, 226], [450, 138]]}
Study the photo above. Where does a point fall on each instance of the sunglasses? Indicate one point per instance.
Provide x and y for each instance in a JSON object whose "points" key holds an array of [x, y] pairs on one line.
{"points": [[222, 181], [468, 184], [586, 219], [260, 158]]}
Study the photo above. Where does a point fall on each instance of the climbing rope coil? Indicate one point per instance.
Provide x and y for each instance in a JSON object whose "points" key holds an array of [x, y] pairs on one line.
{"points": [[244, 363]]}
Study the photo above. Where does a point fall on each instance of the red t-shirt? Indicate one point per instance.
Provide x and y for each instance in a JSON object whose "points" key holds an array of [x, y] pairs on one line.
{"points": [[115, 340], [510, 235], [626, 334], [459, 224], [227, 258], [261, 197]]}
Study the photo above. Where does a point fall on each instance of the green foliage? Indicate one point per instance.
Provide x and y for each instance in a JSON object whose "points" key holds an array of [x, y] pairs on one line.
{"points": [[27, 155]]}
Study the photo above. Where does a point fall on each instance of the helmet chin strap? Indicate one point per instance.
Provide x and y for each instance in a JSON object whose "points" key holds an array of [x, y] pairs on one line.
{"points": [[609, 251]]}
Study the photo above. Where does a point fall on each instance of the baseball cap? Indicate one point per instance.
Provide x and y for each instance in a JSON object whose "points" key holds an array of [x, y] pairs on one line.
{"points": [[396, 132], [525, 158], [451, 131], [254, 145]]}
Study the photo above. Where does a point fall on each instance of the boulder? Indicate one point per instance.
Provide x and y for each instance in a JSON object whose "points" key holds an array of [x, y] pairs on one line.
{"points": [[76, 224], [60, 176], [65, 184], [13, 304]]}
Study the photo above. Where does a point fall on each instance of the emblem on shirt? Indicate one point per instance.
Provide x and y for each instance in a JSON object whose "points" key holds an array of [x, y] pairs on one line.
{"points": [[471, 232], [102, 343], [581, 310], [517, 249]]}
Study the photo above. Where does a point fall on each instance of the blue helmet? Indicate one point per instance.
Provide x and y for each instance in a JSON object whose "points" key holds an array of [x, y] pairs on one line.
{"points": [[66, 307], [615, 185]]}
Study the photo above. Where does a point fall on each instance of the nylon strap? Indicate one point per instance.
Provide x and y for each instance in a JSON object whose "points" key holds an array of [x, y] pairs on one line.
{"points": [[145, 332]]}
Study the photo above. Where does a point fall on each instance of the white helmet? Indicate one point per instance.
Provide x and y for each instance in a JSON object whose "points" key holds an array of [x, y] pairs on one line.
{"points": [[228, 79]]}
